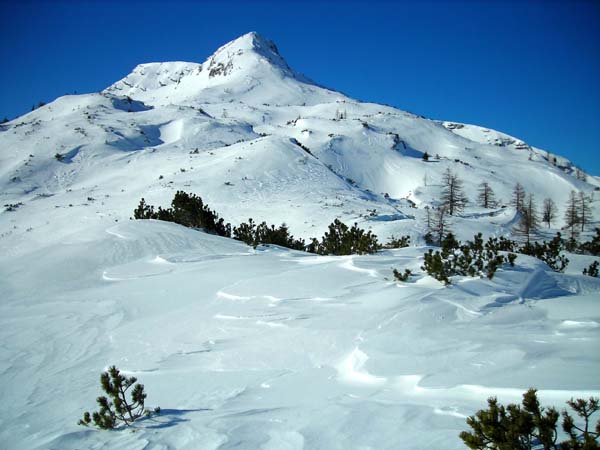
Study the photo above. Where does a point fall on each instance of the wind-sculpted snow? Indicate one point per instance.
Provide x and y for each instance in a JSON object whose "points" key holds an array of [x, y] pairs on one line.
{"points": [[272, 348]]}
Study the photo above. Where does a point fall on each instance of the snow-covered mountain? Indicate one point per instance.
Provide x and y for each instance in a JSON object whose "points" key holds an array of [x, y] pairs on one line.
{"points": [[288, 149], [268, 349]]}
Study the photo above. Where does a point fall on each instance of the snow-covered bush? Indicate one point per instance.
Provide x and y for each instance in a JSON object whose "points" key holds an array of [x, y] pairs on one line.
{"points": [[117, 409]]}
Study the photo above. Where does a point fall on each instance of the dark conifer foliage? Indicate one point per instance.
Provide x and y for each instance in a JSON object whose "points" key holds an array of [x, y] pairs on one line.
{"points": [[188, 210], [262, 234], [530, 426], [592, 247], [474, 258], [402, 276], [592, 270], [394, 242], [117, 408], [340, 240], [549, 252]]}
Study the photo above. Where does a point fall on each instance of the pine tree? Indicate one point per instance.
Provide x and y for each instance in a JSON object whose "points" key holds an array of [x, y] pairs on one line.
{"points": [[332, 242], [510, 427], [585, 211], [439, 225], [246, 232], [453, 198], [529, 222], [340, 240], [584, 437], [549, 211], [529, 425], [117, 407], [428, 217], [144, 211], [572, 218], [486, 197], [518, 199]]}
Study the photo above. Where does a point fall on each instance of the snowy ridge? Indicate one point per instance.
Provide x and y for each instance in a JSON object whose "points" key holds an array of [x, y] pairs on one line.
{"points": [[269, 348], [245, 69]]}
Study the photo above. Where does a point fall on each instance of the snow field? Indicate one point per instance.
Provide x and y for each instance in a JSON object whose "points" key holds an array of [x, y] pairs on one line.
{"points": [[271, 347]]}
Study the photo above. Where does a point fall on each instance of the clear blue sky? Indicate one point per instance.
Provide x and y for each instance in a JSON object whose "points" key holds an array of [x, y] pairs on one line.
{"points": [[528, 68]]}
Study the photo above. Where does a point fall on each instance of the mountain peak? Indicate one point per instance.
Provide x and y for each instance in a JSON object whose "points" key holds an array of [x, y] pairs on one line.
{"points": [[248, 69], [250, 41], [248, 47]]}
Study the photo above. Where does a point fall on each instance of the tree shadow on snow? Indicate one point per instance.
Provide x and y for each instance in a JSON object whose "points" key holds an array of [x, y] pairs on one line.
{"points": [[168, 418]]}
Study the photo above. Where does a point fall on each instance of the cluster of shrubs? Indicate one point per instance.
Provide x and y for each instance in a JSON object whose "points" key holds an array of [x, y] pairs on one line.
{"points": [[549, 252], [394, 242], [473, 258], [189, 210], [255, 235], [546, 251], [341, 240], [591, 247], [529, 425]]}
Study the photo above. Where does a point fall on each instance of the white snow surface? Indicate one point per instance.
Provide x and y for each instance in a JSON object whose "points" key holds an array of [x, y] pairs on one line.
{"points": [[268, 348]]}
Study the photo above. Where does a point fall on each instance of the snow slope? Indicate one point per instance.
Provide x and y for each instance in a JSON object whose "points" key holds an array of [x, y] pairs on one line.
{"points": [[245, 118], [271, 348], [277, 349]]}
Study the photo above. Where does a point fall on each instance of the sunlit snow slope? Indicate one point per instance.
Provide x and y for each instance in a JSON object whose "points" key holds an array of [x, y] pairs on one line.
{"points": [[268, 348]]}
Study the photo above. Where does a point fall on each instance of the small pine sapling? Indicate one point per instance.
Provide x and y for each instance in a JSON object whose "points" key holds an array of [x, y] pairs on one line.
{"points": [[592, 270], [117, 408], [402, 276]]}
